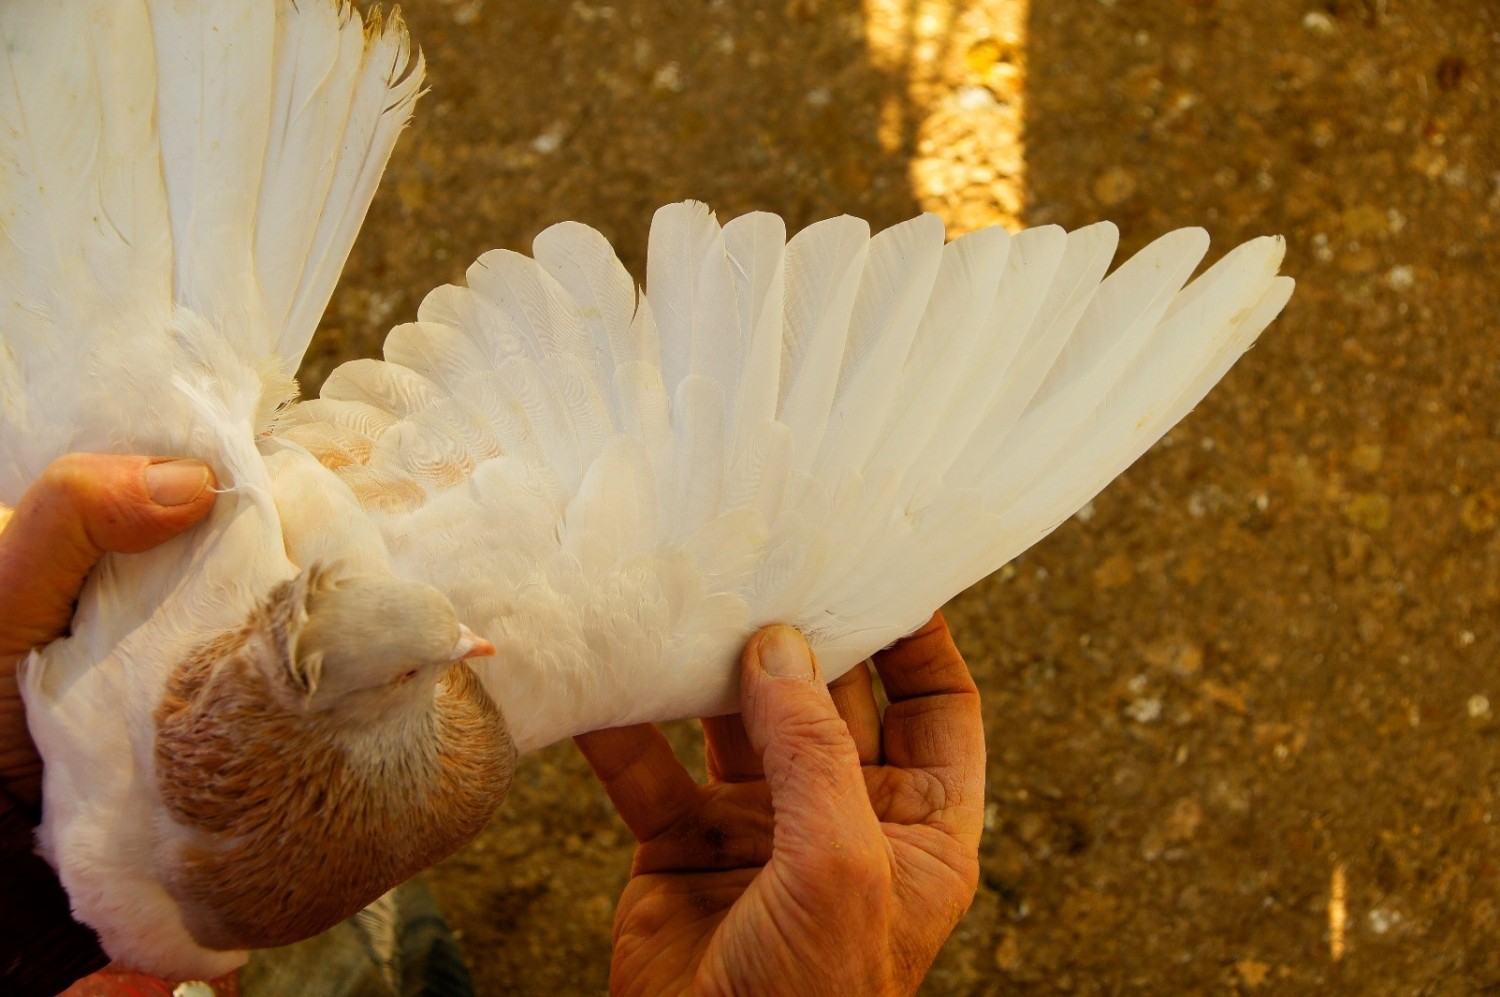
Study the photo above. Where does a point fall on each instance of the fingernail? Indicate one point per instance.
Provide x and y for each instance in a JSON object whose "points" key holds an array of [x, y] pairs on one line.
{"points": [[782, 652], [176, 482]]}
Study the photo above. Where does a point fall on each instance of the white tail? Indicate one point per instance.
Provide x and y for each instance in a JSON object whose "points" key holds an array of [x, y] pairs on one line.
{"points": [[182, 184]]}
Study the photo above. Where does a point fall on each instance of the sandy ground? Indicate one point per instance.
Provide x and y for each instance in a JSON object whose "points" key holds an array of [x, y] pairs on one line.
{"points": [[1239, 712]]}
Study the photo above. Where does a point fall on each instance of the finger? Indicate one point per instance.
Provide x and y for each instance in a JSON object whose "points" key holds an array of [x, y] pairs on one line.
{"points": [[824, 822], [644, 779], [934, 723], [853, 696], [83, 506], [924, 664], [728, 751], [732, 758]]}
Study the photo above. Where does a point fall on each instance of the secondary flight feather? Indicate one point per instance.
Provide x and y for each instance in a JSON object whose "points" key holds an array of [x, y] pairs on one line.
{"points": [[610, 488]]}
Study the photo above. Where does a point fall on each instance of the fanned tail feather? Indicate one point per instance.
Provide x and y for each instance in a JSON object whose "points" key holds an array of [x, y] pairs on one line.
{"points": [[837, 432], [83, 240], [165, 165], [292, 167]]}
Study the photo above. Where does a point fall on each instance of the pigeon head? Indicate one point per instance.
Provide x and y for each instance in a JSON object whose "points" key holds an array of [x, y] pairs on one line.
{"points": [[364, 644], [328, 749]]}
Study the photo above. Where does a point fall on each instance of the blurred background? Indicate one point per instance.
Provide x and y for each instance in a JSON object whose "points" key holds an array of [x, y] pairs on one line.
{"points": [[1241, 711]]}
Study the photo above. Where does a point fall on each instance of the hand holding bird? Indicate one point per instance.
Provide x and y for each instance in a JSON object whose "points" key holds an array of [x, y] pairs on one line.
{"points": [[696, 842], [81, 507], [833, 849]]}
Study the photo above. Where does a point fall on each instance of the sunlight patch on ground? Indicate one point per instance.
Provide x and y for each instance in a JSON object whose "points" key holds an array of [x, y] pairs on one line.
{"points": [[1338, 913], [965, 71]]}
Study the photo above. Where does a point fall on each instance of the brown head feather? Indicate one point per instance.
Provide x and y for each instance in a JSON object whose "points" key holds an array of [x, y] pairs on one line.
{"points": [[293, 821]]}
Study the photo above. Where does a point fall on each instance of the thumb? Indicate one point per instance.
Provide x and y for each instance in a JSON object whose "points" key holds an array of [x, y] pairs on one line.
{"points": [[824, 821], [82, 507]]}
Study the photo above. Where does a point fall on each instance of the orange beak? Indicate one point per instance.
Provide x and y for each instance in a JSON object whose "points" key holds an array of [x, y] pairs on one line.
{"points": [[470, 645]]}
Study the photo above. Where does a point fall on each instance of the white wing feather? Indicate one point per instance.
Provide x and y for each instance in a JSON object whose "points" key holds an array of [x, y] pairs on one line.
{"points": [[818, 417]]}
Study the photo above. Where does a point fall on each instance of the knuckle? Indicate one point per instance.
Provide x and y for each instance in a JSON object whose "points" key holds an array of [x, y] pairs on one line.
{"points": [[913, 797], [69, 476], [820, 727], [809, 731], [91, 484], [930, 794], [103, 498]]}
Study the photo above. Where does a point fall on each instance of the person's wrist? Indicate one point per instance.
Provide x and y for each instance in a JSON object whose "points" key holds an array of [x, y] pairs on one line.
{"points": [[20, 766], [42, 949]]}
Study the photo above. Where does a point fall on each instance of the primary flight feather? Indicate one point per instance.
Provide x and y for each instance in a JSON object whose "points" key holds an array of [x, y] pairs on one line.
{"points": [[262, 725]]}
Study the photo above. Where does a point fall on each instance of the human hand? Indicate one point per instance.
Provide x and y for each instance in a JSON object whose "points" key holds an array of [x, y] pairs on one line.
{"points": [[82, 507], [832, 850]]}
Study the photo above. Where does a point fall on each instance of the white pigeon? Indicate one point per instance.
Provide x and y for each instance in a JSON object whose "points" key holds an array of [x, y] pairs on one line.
{"points": [[612, 489]]}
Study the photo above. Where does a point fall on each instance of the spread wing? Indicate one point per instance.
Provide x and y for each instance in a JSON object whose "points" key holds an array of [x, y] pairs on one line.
{"points": [[836, 431]]}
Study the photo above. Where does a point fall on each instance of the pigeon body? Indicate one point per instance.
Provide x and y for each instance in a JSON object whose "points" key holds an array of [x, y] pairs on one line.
{"points": [[261, 725]]}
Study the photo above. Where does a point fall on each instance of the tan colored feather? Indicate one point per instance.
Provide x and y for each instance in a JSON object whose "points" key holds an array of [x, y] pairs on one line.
{"points": [[293, 820]]}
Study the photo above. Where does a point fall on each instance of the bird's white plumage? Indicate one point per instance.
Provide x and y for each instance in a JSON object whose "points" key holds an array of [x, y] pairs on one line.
{"points": [[181, 184], [836, 431]]}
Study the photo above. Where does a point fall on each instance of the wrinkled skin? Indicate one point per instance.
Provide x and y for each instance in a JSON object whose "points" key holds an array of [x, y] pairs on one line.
{"points": [[832, 851]]}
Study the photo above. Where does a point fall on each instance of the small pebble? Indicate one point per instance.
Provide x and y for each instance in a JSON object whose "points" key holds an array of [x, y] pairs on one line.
{"points": [[1146, 710], [1367, 457], [1114, 186], [975, 99], [1252, 972], [1480, 512], [668, 77], [1370, 512], [1318, 23], [1008, 952]]}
